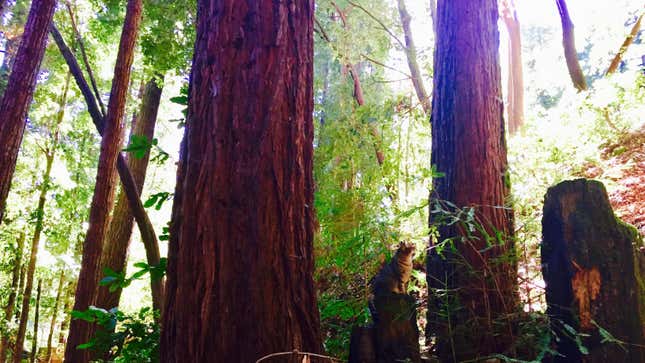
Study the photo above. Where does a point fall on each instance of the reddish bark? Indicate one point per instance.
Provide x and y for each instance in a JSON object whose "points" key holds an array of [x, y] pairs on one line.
{"points": [[11, 301], [569, 44], [515, 97], [103, 199], [20, 89], [469, 147], [114, 254], [240, 282], [148, 234]]}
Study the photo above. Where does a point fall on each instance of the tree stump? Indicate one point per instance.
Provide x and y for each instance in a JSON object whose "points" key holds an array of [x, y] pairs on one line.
{"points": [[592, 264]]}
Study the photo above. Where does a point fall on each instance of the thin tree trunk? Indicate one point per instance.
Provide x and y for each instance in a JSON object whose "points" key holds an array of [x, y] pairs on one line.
{"points": [[50, 337], [64, 323], [21, 288], [146, 229], [34, 344], [469, 147], [114, 254], [241, 252], [11, 301], [411, 55], [26, 297], [615, 62], [569, 44], [80, 331], [433, 15], [20, 89], [515, 102]]}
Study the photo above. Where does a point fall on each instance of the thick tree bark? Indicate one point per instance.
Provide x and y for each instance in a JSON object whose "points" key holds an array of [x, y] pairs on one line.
{"points": [[50, 337], [569, 44], [411, 55], [34, 343], [11, 301], [241, 252], [114, 254], [469, 147], [515, 97], [31, 269], [20, 89], [148, 235], [615, 62], [103, 199]]}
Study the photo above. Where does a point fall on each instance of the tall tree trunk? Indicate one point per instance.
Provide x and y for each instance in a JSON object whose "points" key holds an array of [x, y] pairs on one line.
{"points": [[245, 189], [569, 44], [515, 100], [148, 234], [411, 55], [31, 269], [80, 331], [114, 254], [20, 89], [469, 147], [11, 301], [50, 337], [615, 62], [34, 344]]}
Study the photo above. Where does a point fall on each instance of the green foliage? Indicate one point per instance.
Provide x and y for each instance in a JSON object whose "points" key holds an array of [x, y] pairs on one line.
{"points": [[118, 280], [139, 145], [123, 337]]}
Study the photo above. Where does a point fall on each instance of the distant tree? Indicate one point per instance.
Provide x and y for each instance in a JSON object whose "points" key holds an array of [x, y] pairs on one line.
{"points": [[13, 293], [20, 88], [45, 186], [515, 97], [469, 148], [615, 62], [569, 44], [240, 274], [411, 55]]}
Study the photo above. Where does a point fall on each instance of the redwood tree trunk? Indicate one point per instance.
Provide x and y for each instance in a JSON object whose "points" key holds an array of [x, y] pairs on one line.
{"points": [[50, 337], [114, 254], [469, 147], [11, 301], [569, 44], [80, 332], [20, 89], [240, 276]]}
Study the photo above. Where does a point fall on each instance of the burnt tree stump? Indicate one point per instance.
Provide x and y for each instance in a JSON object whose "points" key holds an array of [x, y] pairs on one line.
{"points": [[592, 264]]}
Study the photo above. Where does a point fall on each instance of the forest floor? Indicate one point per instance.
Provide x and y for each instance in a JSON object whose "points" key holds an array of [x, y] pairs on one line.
{"points": [[625, 165]]}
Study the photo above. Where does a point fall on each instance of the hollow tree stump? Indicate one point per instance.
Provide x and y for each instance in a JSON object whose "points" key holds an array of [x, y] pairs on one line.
{"points": [[361, 345], [592, 264]]}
